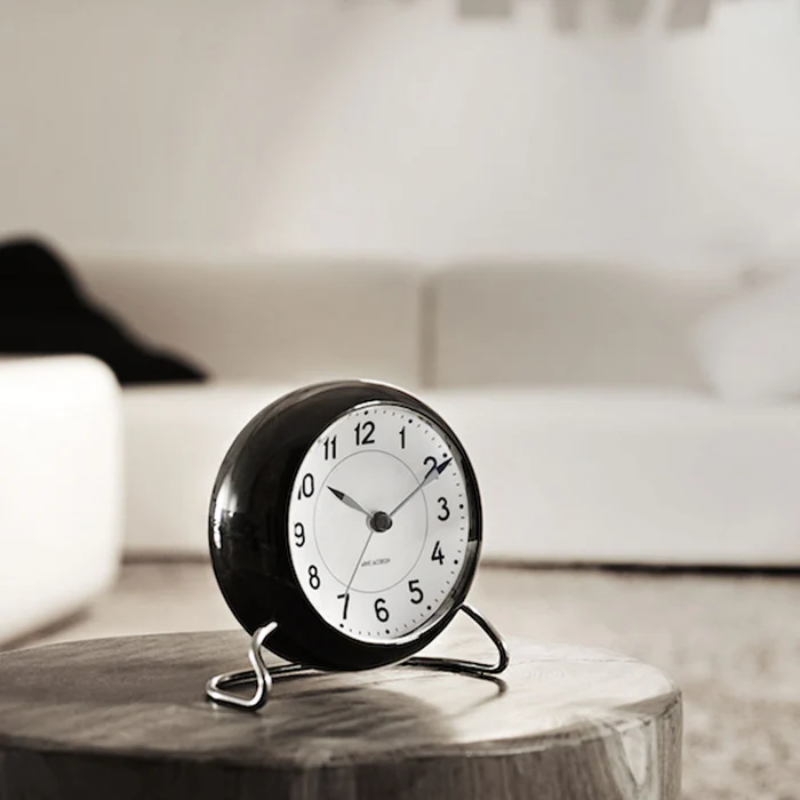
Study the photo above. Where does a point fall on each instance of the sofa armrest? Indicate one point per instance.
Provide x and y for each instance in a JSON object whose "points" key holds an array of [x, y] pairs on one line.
{"points": [[60, 486]]}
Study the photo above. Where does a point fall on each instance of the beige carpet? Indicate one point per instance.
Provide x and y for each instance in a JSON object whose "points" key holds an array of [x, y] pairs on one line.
{"points": [[731, 642]]}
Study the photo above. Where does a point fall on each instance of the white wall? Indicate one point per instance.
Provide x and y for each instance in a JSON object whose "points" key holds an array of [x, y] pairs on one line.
{"points": [[380, 126]]}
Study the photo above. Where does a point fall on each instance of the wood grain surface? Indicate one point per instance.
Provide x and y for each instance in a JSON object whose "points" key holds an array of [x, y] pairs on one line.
{"points": [[126, 718]]}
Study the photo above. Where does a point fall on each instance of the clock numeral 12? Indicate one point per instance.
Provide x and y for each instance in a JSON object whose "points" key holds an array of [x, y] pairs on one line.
{"points": [[437, 554], [364, 432]]}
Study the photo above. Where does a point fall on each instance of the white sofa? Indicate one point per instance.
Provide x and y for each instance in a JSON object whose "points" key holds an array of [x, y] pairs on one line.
{"points": [[576, 389], [60, 486]]}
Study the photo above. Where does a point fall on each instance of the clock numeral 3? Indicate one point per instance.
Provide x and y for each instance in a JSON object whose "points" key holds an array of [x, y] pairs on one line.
{"points": [[444, 514], [306, 486], [437, 554], [416, 593], [313, 577], [364, 432], [299, 534], [330, 448], [346, 598], [381, 612]]}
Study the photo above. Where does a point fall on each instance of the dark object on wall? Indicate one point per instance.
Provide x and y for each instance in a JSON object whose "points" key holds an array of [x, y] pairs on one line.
{"points": [[43, 311]]}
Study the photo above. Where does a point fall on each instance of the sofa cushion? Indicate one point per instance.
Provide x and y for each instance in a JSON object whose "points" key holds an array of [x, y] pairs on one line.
{"points": [[566, 476], [175, 440], [631, 476], [750, 346], [269, 319], [565, 324]]}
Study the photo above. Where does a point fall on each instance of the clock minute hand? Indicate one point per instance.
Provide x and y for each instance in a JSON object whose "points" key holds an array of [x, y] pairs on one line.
{"points": [[432, 475], [348, 501]]}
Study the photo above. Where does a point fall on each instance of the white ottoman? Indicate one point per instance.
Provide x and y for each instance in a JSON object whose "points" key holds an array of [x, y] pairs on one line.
{"points": [[60, 488]]}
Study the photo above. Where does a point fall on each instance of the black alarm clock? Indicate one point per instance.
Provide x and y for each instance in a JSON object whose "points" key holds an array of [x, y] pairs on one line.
{"points": [[345, 531]]}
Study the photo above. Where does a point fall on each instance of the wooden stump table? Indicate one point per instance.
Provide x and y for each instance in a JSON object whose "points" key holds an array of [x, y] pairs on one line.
{"points": [[117, 719]]}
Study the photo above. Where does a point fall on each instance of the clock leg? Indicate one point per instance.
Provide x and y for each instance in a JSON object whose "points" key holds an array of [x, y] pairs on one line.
{"points": [[469, 667], [216, 688]]}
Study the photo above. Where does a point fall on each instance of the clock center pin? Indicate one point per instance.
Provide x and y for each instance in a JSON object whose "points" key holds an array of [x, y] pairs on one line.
{"points": [[380, 521]]}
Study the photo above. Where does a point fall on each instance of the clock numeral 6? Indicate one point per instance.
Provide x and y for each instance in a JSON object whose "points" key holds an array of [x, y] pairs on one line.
{"points": [[381, 612], [313, 577], [299, 534], [416, 593], [437, 554], [306, 486]]}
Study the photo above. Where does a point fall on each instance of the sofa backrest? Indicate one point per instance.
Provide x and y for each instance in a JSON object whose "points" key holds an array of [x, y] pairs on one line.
{"points": [[281, 321], [485, 324], [565, 324]]}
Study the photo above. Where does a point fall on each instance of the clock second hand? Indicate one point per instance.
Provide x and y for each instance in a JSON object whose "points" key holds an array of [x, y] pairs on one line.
{"points": [[358, 563]]}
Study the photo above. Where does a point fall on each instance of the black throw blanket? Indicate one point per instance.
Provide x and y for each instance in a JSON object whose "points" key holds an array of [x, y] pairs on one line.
{"points": [[42, 310]]}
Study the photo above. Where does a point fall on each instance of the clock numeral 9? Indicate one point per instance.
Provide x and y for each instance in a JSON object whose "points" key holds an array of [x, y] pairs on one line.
{"points": [[437, 554], [364, 432], [299, 534], [306, 486], [313, 577], [381, 612], [416, 593], [444, 514]]}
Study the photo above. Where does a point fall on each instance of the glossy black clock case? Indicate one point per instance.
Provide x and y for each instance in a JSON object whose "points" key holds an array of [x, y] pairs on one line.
{"points": [[248, 528]]}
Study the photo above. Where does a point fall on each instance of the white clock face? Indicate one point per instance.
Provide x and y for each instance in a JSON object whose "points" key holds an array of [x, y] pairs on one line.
{"points": [[379, 521]]}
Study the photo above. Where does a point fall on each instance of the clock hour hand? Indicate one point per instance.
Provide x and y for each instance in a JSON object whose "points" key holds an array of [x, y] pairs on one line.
{"points": [[433, 473], [348, 501]]}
